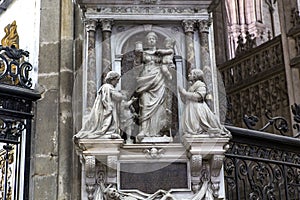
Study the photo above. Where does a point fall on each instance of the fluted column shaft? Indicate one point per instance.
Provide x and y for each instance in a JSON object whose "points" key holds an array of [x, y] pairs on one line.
{"points": [[188, 26], [91, 65], [205, 60], [106, 26], [204, 42]]}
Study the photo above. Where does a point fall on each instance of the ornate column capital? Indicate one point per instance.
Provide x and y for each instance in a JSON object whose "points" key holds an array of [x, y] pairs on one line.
{"points": [[188, 25], [90, 25], [204, 25], [106, 24]]}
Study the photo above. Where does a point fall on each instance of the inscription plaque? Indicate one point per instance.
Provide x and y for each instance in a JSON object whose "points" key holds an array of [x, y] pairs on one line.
{"points": [[150, 177]]}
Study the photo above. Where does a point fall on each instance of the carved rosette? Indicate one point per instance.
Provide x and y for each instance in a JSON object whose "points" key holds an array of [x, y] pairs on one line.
{"points": [[106, 27], [90, 173], [188, 27]]}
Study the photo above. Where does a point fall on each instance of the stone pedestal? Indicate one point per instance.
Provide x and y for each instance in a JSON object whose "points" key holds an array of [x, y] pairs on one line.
{"points": [[190, 170]]}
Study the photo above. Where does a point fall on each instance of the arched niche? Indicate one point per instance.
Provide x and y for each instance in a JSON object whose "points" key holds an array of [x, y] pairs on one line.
{"points": [[125, 55]]}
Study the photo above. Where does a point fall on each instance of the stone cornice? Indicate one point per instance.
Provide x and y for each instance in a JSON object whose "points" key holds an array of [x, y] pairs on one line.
{"points": [[204, 4], [150, 12], [145, 9]]}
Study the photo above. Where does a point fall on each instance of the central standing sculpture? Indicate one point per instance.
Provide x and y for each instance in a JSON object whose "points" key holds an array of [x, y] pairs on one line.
{"points": [[151, 87]]}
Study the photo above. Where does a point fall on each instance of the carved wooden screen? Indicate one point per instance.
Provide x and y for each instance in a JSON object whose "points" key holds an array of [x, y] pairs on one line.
{"points": [[255, 83]]}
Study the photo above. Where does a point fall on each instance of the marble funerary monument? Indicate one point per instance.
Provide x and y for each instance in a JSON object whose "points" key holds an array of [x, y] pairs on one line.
{"points": [[150, 125]]}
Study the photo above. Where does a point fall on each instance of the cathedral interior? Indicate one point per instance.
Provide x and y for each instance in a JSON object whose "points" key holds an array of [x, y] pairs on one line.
{"points": [[150, 99]]}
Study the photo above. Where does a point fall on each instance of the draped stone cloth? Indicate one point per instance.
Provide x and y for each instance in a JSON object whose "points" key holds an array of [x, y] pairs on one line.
{"points": [[103, 121], [151, 87], [197, 116]]}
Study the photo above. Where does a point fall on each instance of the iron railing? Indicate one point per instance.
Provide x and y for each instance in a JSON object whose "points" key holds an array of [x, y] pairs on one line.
{"points": [[261, 165], [16, 113]]}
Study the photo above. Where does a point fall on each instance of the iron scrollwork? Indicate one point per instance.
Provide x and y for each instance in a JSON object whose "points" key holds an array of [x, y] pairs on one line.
{"points": [[11, 130], [13, 69], [296, 112], [279, 123], [255, 172]]}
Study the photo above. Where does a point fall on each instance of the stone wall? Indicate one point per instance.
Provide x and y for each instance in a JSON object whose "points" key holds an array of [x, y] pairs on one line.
{"points": [[52, 172]]}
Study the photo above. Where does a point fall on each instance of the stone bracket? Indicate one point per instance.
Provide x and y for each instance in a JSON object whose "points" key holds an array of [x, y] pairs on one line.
{"points": [[206, 161], [90, 175], [105, 151]]}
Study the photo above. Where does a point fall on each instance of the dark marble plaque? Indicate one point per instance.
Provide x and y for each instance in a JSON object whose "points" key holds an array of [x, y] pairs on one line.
{"points": [[150, 177]]}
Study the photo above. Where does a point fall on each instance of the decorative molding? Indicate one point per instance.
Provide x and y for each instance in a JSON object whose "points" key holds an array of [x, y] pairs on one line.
{"points": [[147, 1], [132, 10]]}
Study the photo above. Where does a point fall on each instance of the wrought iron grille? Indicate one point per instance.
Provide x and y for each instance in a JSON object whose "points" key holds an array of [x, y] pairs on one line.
{"points": [[16, 105], [260, 165], [15, 131]]}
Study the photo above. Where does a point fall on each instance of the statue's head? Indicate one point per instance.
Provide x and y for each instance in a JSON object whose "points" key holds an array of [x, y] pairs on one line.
{"points": [[112, 75], [169, 43], [152, 34], [196, 74], [151, 38]]}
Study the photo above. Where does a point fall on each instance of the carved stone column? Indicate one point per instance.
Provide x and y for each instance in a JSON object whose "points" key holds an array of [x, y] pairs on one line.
{"points": [[204, 52], [106, 26], [204, 44], [188, 27], [90, 175], [91, 87]]}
